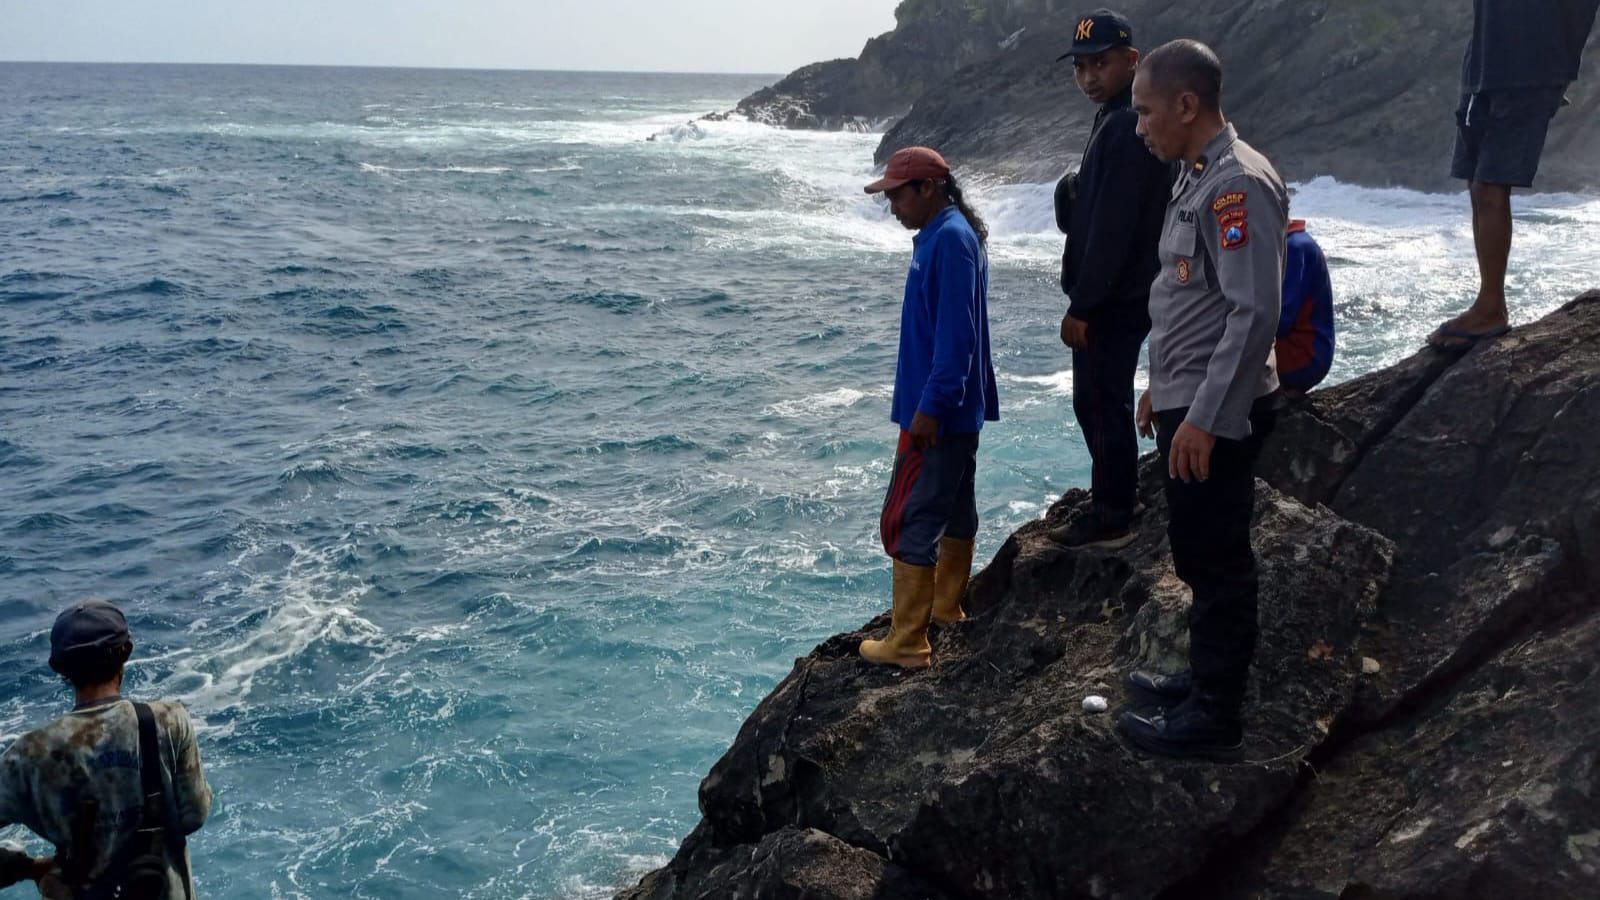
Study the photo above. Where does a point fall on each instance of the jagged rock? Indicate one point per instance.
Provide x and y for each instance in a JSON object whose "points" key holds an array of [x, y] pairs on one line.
{"points": [[1440, 742], [1363, 91], [1493, 795], [790, 864], [985, 777], [1483, 469]]}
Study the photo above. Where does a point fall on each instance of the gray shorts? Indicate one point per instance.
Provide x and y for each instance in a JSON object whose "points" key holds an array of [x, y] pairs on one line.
{"points": [[1500, 135]]}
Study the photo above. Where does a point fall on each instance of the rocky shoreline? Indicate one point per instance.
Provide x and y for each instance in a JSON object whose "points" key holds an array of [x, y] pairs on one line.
{"points": [[1359, 90], [1424, 719]]}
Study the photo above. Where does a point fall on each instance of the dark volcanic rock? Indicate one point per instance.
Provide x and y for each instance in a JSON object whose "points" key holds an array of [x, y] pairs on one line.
{"points": [[791, 864], [1424, 720], [1362, 91], [905, 765], [1359, 89], [933, 38]]}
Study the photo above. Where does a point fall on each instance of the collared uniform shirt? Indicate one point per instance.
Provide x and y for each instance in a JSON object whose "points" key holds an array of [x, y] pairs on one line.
{"points": [[1214, 304]]}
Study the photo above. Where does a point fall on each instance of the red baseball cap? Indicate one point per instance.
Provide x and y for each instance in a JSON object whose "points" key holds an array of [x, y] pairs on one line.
{"points": [[911, 164]]}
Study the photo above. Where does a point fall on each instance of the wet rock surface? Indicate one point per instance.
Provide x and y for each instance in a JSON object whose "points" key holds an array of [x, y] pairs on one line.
{"points": [[1424, 716]]}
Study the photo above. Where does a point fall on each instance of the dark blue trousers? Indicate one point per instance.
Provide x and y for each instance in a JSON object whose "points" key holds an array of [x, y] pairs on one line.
{"points": [[931, 496]]}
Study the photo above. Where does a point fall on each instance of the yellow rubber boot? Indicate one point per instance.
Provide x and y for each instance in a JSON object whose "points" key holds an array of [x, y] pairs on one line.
{"points": [[950, 579], [906, 644]]}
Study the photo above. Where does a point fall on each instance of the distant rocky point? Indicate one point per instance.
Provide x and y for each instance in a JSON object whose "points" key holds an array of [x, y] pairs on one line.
{"points": [[1424, 719], [1357, 89]]}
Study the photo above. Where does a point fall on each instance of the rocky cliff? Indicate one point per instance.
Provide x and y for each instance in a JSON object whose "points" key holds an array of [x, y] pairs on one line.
{"points": [[1359, 89], [1424, 721]]}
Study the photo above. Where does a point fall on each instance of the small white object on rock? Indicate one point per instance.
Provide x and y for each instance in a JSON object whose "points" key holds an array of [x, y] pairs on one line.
{"points": [[1370, 666], [1094, 703]]}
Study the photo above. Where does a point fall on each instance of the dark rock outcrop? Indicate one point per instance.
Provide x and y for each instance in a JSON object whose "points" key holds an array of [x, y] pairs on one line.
{"points": [[1357, 89], [931, 40], [1425, 711]]}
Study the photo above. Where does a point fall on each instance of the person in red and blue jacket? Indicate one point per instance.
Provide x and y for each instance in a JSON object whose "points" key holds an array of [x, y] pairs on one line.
{"points": [[1305, 328], [944, 390]]}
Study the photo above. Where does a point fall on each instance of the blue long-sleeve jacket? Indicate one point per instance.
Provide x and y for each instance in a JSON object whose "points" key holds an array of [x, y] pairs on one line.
{"points": [[945, 369], [1305, 328]]}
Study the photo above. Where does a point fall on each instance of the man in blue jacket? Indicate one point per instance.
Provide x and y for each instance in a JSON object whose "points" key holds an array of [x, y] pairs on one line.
{"points": [[1305, 327], [1111, 210], [1514, 76], [944, 391]]}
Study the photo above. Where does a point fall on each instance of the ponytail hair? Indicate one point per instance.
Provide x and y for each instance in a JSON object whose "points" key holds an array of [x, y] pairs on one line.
{"points": [[952, 192]]}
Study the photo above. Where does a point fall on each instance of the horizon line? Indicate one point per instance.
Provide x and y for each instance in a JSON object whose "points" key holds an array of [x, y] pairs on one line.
{"points": [[433, 68]]}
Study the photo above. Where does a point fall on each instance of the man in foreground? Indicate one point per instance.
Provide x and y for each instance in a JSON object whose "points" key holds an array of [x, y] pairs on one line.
{"points": [[1514, 76], [1111, 210], [944, 390], [1214, 310], [77, 781]]}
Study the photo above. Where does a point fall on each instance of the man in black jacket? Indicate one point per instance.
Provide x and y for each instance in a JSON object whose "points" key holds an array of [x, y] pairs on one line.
{"points": [[1514, 77], [1111, 210]]}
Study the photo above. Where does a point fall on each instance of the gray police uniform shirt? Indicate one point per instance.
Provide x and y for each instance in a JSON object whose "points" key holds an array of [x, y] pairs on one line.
{"points": [[93, 754], [1214, 305]]}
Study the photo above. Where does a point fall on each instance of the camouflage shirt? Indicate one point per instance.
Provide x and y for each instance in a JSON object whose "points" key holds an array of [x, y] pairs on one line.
{"points": [[85, 765]]}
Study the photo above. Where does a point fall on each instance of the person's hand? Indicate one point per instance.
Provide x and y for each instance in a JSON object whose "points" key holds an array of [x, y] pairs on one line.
{"points": [[42, 867], [1074, 332], [1189, 457], [1145, 418], [924, 431], [17, 866]]}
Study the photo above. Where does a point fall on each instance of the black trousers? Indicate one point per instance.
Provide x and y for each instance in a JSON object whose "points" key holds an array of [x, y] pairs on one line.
{"points": [[1102, 399], [1209, 530]]}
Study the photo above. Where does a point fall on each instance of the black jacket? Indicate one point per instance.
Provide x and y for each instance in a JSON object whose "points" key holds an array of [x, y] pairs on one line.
{"points": [[1525, 43], [1113, 219]]}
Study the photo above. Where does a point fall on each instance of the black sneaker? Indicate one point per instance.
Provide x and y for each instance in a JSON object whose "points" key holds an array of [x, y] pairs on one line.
{"points": [[1199, 728], [1173, 688], [1090, 530]]}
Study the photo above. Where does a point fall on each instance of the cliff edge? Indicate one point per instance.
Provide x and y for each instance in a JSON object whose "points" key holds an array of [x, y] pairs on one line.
{"points": [[1424, 717]]}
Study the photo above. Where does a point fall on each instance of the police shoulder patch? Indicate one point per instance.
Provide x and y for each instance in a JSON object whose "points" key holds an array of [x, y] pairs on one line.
{"points": [[1232, 198], [1235, 234]]}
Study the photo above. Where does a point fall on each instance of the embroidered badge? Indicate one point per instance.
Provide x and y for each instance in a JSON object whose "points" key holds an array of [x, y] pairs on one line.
{"points": [[1236, 198], [1183, 271], [1234, 225]]}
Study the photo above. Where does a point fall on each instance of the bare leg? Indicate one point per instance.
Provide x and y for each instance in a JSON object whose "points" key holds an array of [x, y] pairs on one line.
{"points": [[1491, 234]]}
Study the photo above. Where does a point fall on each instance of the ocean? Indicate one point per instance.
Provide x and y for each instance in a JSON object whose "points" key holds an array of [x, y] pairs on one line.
{"points": [[473, 450]]}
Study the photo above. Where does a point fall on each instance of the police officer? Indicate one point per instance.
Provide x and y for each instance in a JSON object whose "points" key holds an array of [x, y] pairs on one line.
{"points": [[1213, 386], [1111, 210]]}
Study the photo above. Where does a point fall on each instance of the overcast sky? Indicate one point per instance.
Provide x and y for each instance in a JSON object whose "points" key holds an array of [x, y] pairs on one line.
{"points": [[627, 35]]}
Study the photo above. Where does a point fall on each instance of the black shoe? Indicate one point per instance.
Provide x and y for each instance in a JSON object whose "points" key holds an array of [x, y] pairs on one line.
{"points": [[1173, 688], [1196, 728], [1090, 530]]}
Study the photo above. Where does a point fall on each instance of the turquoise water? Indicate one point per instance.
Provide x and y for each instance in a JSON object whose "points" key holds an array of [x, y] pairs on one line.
{"points": [[471, 464]]}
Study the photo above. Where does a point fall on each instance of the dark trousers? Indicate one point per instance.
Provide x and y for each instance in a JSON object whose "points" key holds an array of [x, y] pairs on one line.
{"points": [[1209, 531], [931, 496], [1102, 399]]}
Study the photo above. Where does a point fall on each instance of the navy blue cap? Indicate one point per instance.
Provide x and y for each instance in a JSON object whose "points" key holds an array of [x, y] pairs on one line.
{"points": [[1098, 32], [86, 626]]}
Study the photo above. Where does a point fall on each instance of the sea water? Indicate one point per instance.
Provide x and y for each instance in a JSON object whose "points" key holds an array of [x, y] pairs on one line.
{"points": [[473, 450]]}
